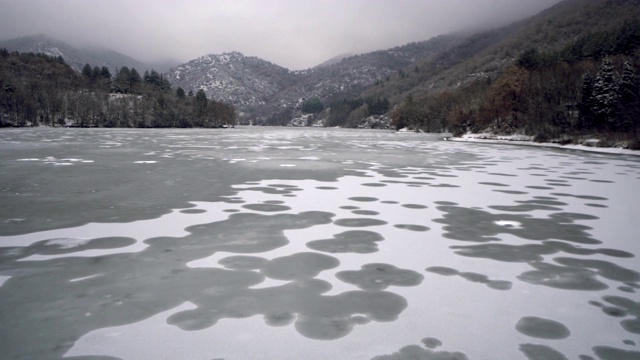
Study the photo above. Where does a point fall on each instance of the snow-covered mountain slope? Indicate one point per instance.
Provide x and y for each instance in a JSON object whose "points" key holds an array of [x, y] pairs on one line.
{"points": [[243, 81], [258, 86]]}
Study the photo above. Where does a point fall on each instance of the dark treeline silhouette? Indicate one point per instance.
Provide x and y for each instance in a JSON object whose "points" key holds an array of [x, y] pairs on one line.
{"points": [[37, 89], [590, 86]]}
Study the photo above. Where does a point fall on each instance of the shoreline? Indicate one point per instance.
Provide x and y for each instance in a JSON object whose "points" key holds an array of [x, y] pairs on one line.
{"points": [[526, 141]]}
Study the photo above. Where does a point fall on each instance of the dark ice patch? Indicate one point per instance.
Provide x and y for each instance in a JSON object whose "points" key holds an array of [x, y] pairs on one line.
{"points": [[281, 319], [431, 343], [326, 188], [603, 268], [354, 241], [377, 276], [266, 207], [348, 207], [562, 277], [335, 318], [506, 253], [363, 199], [541, 352], [359, 222], [596, 205], [193, 211], [531, 252], [270, 189], [443, 186], [622, 307], [415, 352], [446, 203], [583, 197], [611, 353], [542, 328], [412, 227], [64, 246], [471, 276], [241, 262], [525, 206], [493, 184], [298, 266], [475, 225], [414, 206], [442, 270], [374, 184], [511, 192], [365, 212]]}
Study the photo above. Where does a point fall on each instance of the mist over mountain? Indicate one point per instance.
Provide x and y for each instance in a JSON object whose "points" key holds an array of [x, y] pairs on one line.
{"points": [[75, 57]]}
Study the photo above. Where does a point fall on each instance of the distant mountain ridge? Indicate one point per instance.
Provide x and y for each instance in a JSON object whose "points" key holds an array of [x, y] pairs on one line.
{"points": [[257, 86], [73, 56]]}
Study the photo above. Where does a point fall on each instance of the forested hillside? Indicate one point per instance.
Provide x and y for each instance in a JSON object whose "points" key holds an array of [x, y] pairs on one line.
{"points": [[41, 89], [570, 71]]}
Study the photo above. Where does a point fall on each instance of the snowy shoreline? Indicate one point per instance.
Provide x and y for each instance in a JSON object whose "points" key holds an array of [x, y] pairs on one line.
{"points": [[523, 140]]}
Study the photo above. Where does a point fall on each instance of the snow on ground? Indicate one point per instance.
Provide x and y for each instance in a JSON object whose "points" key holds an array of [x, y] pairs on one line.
{"points": [[528, 141]]}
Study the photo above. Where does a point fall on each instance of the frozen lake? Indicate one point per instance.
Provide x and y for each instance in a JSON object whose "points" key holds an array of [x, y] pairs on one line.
{"points": [[281, 243]]}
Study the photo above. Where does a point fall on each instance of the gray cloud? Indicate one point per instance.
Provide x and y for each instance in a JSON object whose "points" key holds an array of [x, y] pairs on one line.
{"points": [[295, 34]]}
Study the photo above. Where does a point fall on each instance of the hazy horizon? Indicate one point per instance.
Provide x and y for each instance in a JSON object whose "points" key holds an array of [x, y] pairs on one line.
{"points": [[293, 34]]}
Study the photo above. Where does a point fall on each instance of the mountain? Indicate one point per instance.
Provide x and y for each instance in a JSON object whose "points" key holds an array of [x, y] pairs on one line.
{"points": [[334, 60], [257, 86], [486, 54], [246, 82], [73, 56]]}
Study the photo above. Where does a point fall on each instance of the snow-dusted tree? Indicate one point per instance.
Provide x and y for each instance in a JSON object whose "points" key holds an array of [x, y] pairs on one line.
{"points": [[629, 102], [605, 95], [87, 71], [105, 73]]}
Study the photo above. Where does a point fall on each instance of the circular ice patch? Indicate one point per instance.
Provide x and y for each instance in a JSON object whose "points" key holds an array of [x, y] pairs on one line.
{"points": [[359, 222], [266, 207], [411, 227], [363, 199], [542, 328]]}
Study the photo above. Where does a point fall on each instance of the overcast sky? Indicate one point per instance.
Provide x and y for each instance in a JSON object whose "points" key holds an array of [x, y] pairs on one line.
{"points": [[296, 34]]}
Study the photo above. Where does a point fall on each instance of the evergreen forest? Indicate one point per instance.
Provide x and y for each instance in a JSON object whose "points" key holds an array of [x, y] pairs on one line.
{"points": [[37, 89], [589, 86]]}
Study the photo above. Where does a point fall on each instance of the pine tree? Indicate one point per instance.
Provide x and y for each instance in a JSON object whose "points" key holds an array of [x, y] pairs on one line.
{"points": [[587, 117], [605, 94], [629, 101], [105, 73], [95, 73], [87, 71], [180, 93]]}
